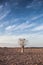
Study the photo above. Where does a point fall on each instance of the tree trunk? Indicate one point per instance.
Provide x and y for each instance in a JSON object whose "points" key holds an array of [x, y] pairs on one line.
{"points": [[22, 49]]}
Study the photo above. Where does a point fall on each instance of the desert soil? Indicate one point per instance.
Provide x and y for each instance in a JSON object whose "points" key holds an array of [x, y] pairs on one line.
{"points": [[13, 56]]}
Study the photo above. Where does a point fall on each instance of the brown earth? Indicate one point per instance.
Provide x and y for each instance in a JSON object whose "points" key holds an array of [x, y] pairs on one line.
{"points": [[13, 56]]}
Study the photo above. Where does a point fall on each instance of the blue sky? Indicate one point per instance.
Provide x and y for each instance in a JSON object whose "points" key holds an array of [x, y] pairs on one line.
{"points": [[21, 18]]}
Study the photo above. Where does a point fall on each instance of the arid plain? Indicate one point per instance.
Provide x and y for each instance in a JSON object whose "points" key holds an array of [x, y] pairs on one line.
{"points": [[13, 56]]}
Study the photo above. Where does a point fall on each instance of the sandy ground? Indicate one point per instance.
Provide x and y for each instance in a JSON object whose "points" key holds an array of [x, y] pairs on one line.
{"points": [[15, 57]]}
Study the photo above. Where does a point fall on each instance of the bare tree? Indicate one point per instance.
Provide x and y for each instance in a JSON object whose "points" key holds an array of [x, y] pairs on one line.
{"points": [[22, 42]]}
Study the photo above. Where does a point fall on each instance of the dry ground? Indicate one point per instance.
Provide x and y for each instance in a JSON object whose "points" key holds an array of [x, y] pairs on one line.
{"points": [[12, 56]]}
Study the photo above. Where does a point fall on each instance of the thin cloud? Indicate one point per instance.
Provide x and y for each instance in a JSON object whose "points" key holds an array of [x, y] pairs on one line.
{"points": [[28, 6], [38, 28], [36, 4], [1, 6], [4, 15], [1, 25], [21, 27], [4, 10], [16, 27], [37, 17], [10, 28]]}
